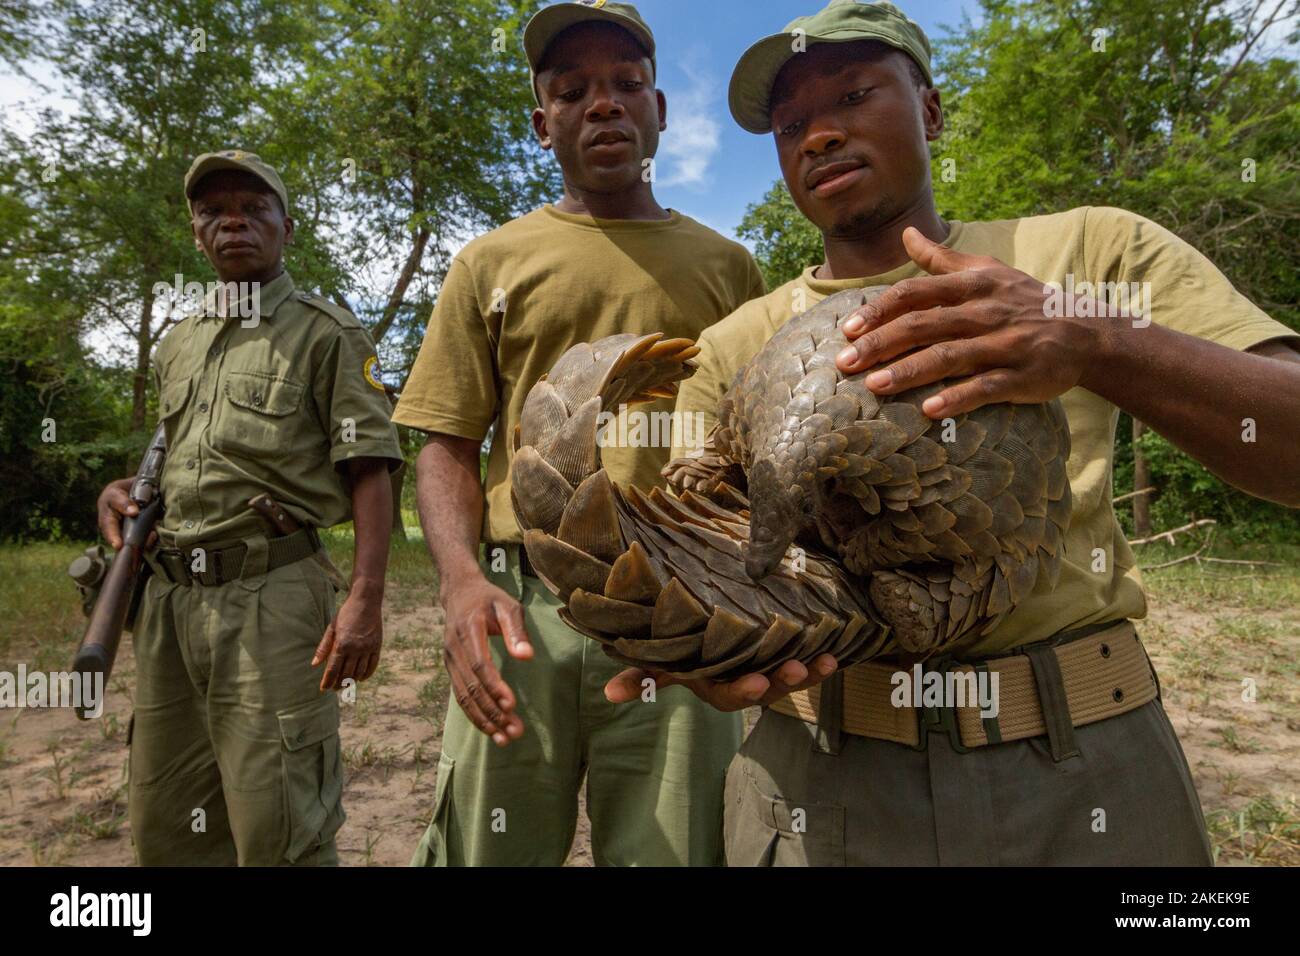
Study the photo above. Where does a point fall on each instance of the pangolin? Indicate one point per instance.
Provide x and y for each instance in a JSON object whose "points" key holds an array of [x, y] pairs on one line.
{"points": [[817, 518]]}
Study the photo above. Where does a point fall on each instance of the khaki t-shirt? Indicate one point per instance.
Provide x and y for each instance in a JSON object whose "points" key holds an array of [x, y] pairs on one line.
{"points": [[1094, 244], [517, 298], [273, 403]]}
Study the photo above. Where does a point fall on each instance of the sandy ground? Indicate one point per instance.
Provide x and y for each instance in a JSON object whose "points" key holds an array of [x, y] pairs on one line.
{"points": [[62, 782]]}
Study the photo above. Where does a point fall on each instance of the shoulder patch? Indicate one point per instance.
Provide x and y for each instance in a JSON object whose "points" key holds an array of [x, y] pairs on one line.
{"points": [[372, 372], [336, 312]]}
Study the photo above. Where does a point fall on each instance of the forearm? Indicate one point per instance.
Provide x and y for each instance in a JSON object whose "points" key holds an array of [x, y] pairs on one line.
{"points": [[1232, 411], [449, 496], [372, 522]]}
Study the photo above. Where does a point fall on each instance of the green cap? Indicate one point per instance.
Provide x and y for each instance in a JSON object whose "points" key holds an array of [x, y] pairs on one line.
{"points": [[235, 159], [550, 22], [841, 21]]}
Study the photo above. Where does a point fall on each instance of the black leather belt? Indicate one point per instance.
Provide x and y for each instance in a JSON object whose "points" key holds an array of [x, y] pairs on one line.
{"points": [[223, 564]]}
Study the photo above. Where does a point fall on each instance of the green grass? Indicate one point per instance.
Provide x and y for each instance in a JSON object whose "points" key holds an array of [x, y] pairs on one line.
{"points": [[1271, 586], [39, 605], [41, 610], [1264, 831], [412, 580]]}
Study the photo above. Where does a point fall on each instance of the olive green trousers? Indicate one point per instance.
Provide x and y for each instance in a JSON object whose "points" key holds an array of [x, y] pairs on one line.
{"points": [[234, 749], [1125, 799], [654, 769]]}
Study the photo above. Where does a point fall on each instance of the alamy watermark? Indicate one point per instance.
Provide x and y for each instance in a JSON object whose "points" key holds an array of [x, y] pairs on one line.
{"points": [[241, 300], [25, 688], [921, 688], [1098, 300], [639, 429], [75, 908]]}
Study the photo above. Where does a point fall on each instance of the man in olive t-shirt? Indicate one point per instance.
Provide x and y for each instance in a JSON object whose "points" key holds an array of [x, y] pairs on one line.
{"points": [[851, 118], [604, 259]]}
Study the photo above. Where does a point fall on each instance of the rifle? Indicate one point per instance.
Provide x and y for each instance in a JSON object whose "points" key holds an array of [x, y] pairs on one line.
{"points": [[118, 593]]}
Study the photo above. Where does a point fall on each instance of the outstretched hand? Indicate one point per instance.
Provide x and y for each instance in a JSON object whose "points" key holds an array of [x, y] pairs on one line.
{"points": [[352, 643], [476, 609]]}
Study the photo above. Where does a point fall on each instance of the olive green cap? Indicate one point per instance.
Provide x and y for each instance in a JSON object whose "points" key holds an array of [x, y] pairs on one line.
{"points": [[235, 159], [841, 21], [551, 21]]}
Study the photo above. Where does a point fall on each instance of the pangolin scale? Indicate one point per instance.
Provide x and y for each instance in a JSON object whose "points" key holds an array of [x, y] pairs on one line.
{"points": [[817, 518]]}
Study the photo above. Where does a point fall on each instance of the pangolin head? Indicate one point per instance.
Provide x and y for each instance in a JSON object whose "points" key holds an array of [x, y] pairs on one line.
{"points": [[778, 511]]}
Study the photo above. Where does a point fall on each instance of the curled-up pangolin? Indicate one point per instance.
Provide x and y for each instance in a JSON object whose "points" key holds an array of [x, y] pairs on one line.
{"points": [[818, 518]]}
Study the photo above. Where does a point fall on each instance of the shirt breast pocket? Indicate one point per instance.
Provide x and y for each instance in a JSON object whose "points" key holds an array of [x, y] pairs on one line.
{"points": [[171, 402], [259, 414]]}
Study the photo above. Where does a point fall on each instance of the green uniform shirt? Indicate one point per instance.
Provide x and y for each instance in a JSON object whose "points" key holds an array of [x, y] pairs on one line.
{"points": [[272, 407]]}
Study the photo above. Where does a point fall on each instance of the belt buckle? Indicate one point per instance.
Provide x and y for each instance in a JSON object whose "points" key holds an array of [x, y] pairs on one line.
{"points": [[941, 719]]}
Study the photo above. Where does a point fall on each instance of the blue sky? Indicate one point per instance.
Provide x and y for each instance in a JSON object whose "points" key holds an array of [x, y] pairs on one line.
{"points": [[708, 167]]}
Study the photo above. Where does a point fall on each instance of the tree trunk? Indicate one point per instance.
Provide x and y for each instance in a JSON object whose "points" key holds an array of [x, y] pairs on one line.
{"points": [[140, 381], [409, 268], [1141, 479]]}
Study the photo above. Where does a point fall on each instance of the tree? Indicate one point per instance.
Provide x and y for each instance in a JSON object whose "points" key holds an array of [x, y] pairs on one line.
{"points": [[418, 113], [63, 419], [105, 182], [15, 21]]}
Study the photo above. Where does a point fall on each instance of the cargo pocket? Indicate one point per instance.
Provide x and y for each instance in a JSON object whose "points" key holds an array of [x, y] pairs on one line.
{"points": [[763, 830], [313, 775], [432, 850]]}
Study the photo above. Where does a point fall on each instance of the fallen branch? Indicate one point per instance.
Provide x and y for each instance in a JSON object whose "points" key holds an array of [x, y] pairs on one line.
{"points": [[1169, 535], [1271, 564], [1132, 494], [1194, 556]]}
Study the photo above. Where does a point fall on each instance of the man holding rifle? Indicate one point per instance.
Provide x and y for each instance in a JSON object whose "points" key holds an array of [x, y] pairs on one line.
{"points": [[234, 740]]}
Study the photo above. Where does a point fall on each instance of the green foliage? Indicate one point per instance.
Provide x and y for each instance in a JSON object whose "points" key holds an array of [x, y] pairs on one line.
{"points": [[15, 21], [416, 118], [51, 485], [785, 243], [1174, 119], [1188, 491]]}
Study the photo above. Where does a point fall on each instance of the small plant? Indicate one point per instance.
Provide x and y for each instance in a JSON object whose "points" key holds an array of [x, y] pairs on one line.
{"points": [[54, 773], [109, 727], [103, 819], [1235, 743], [372, 841]]}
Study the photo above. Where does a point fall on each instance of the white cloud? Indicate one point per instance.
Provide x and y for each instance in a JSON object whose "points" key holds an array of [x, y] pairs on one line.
{"points": [[693, 135]]}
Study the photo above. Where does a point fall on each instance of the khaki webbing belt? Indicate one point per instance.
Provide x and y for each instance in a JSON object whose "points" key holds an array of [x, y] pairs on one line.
{"points": [[223, 564], [1103, 675]]}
